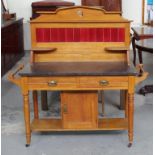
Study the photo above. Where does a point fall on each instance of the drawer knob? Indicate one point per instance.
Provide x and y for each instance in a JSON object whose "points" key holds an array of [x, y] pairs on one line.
{"points": [[52, 83], [104, 83]]}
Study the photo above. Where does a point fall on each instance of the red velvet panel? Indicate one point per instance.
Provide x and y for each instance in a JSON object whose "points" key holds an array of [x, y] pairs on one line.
{"points": [[84, 35], [69, 35], [80, 34], [92, 33], [100, 35], [114, 35], [76, 35], [121, 33], [62, 34], [47, 35], [40, 35], [52, 35], [107, 35]]}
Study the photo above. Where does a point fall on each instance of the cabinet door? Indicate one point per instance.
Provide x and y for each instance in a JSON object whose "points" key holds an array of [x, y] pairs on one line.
{"points": [[79, 110]]}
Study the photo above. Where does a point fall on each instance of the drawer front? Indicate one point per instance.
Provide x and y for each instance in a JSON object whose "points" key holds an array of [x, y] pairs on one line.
{"points": [[103, 82], [78, 83], [53, 83]]}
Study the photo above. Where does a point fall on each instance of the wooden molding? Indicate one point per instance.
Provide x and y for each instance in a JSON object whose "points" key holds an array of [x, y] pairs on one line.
{"points": [[80, 14], [12, 78]]}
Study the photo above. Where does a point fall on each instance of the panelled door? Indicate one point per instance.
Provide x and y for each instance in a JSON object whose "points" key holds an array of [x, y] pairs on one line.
{"points": [[79, 109]]}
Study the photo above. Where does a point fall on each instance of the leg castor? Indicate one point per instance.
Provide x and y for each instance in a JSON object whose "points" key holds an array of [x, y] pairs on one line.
{"points": [[130, 144], [27, 145]]}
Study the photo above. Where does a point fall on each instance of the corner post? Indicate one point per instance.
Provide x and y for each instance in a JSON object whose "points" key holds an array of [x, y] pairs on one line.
{"points": [[131, 109], [26, 109]]}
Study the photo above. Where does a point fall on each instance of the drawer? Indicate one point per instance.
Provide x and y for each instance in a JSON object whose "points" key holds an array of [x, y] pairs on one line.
{"points": [[103, 82], [78, 83], [52, 82]]}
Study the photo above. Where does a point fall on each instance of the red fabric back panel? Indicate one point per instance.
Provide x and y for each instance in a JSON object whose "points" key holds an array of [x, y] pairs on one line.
{"points": [[80, 34]]}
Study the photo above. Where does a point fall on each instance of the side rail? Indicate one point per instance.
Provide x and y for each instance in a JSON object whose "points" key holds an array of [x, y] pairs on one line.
{"points": [[142, 74], [12, 76]]}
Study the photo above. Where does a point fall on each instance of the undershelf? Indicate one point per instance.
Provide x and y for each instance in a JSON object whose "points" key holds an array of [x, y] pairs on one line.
{"points": [[56, 125]]}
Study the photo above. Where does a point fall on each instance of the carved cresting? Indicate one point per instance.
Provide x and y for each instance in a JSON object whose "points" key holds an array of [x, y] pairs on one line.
{"points": [[80, 13]]}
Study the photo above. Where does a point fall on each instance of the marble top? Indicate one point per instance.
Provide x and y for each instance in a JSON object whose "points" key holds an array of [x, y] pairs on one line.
{"points": [[78, 69]]}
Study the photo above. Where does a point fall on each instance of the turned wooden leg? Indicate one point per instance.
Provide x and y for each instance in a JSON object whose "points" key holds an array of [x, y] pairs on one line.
{"points": [[44, 103], [134, 51], [102, 101], [27, 118], [130, 117], [35, 104]]}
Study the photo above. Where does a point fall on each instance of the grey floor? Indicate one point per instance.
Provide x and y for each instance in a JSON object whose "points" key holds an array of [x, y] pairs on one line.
{"points": [[72, 143]]}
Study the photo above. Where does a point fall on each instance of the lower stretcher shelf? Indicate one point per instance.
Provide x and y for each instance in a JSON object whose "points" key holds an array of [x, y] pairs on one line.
{"points": [[56, 125]]}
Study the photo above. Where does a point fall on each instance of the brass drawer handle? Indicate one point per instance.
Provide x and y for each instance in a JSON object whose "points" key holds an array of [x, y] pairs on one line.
{"points": [[52, 83], [104, 83]]}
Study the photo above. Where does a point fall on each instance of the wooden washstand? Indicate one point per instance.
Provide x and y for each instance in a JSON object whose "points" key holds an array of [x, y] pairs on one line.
{"points": [[83, 50]]}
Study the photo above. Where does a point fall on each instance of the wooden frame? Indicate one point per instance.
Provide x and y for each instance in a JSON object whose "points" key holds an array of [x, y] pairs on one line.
{"points": [[144, 14]]}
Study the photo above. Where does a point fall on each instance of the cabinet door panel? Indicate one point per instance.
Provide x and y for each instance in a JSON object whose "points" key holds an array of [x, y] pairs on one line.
{"points": [[79, 109]]}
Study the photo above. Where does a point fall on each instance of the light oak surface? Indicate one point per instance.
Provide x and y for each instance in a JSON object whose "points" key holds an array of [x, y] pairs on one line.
{"points": [[79, 85]]}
